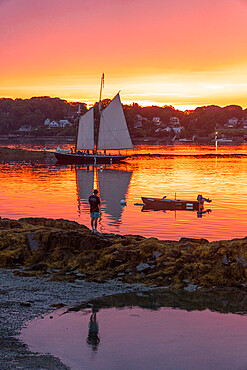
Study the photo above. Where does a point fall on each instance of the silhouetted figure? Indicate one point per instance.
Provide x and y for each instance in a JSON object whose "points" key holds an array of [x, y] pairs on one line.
{"points": [[94, 202], [93, 330]]}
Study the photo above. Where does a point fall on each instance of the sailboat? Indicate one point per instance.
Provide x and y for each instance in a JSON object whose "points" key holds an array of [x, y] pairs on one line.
{"points": [[93, 143]]}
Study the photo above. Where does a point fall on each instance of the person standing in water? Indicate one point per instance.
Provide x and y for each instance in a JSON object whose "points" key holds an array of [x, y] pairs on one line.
{"points": [[94, 202]]}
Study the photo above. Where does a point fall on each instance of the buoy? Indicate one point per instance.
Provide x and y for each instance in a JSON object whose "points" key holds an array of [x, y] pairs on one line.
{"points": [[122, 202]]}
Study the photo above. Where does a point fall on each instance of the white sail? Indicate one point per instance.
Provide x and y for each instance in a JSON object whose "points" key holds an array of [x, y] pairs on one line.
{"points": [[85, 136], [113, 130], [113, 186]]}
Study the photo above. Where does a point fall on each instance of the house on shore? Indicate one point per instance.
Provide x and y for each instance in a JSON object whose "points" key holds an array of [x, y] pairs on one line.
{"points": [[232, 122], [175, 125], [53, 124], [139, 121]]}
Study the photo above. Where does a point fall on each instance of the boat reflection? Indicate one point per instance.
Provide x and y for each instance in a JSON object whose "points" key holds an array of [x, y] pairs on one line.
{"points": [[200, 212], [112, 185]]}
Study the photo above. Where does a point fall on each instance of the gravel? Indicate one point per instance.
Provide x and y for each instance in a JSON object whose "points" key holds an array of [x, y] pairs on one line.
{"points": [[25, 298]]}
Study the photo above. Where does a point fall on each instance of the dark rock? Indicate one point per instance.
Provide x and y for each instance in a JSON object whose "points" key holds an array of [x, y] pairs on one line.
{"points": [[225, 261], [191, 287], [38, 267], [157, 254], [6, 223], [57, 305], [142, 267], [241, 260], [33, 244], [174, 253], [25, 304], [198, 241]]}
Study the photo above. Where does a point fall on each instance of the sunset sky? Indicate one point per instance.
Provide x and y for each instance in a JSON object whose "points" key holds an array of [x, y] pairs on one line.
{"points": [[184, 53]]}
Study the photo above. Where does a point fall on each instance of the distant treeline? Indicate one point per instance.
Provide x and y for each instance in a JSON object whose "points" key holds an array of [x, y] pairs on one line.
{"points": [[33, 112]]}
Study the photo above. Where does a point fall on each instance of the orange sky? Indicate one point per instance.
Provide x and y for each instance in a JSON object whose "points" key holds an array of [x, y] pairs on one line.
{"points": [[180, 52]]}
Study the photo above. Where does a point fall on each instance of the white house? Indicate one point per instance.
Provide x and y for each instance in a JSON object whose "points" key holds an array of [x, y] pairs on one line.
{"points": [[232, 122], [25, 129], [167, 129], [139, 122], [244, 122], [60, 123], [53, 124], [140, 118], [174, 121], [177, 129], [63, 123], [157, 121], [47, 121]]}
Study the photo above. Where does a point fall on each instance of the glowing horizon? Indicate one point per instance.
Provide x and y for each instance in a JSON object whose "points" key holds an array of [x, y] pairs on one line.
{"points": [[182, 53]]}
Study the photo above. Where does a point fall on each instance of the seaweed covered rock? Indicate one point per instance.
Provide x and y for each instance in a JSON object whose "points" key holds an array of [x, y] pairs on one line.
{"points": [[69, 251]]}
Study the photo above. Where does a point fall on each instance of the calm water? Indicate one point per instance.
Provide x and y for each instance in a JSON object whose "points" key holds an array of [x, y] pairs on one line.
{"points": [[48, 190], [133, 337]]}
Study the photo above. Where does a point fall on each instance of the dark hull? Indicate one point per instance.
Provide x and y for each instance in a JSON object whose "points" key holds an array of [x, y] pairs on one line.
{"points": [[171, 204], [89, 158]]}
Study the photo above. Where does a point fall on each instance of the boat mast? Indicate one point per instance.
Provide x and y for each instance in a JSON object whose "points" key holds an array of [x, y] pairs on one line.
{"points": [[77, 126], [101, 87], [100, 94]]}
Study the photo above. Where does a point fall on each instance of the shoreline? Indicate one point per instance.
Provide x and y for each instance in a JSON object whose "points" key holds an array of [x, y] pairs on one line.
{"points": [[24, 154], [136, 140]]}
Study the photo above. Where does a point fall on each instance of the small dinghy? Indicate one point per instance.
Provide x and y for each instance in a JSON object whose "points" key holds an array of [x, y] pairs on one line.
{"points": [[175, 204]]}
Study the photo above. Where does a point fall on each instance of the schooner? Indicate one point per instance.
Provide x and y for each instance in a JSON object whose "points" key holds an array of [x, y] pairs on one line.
{"points": [[93, 142]]}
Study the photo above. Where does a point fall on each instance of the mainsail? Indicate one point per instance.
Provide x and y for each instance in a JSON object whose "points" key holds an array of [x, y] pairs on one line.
{"points": [[113, 130], [85, 135]]}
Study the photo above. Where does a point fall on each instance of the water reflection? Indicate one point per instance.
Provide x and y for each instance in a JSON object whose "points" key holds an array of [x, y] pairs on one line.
{"points": [[229, 300], [112, 185], [46, 190], [148, 330], [199, 214], [93, 338]]}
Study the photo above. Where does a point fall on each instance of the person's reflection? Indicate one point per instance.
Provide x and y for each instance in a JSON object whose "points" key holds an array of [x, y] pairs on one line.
{"points": [[93, 330], [200, 213]]}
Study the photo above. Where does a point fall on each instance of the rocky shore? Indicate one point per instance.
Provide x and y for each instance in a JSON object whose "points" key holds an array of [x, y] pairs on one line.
{"points": [[67, 251], [48, 263]]}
